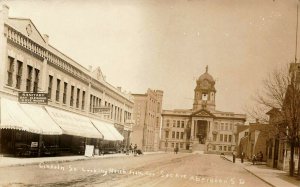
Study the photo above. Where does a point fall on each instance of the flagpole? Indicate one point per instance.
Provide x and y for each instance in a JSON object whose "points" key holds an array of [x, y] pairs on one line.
{"points": [[296, 34]]}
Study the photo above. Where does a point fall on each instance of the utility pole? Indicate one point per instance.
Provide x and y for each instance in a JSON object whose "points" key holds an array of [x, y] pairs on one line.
{"points": [[296, 46]]}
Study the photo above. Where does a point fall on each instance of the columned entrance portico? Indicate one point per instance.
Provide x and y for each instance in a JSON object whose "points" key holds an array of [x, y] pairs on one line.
{"points": [[200, 131]]}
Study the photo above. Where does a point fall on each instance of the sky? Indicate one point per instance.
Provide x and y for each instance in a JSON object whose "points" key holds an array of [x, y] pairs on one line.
{"points": [[166, 45]]}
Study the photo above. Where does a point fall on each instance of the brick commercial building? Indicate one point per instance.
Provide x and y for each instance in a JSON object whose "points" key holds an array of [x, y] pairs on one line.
{"points": [[147, 116], [80, 100], [279, 145], [253, 139], [202, 128]]}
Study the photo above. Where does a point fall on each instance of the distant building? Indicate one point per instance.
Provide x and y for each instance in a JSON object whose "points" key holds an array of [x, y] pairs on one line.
{"points": [[202, 128], [254, 139], [279, 149], [147, 116]]}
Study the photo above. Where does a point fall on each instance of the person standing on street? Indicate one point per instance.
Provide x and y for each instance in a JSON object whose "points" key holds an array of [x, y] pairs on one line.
{"points": [[134, 149], [242, 157], [130, 148], [233, 156]]}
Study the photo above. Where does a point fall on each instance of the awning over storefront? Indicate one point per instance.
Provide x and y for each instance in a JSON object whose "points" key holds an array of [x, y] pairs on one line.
{"points": [[74, 124], [13, 117], [115, 132], [40, 117], [104, 128]]}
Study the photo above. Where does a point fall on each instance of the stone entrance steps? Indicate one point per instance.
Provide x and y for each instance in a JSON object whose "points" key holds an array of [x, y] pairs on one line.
{"points": [[199, 148]]}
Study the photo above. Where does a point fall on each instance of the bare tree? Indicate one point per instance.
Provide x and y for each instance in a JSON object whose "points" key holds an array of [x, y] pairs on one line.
{"points": [[281, 94]]}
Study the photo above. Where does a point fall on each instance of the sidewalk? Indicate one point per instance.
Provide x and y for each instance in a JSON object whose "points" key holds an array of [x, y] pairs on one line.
{"points": [[273, 177], [17, 161]]}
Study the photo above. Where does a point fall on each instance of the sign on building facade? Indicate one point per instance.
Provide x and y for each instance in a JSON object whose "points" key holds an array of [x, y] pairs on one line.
{"points": [[33, 98]]}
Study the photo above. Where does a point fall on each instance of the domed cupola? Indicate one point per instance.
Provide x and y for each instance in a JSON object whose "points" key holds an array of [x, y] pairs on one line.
{"points": [[205, 92]]}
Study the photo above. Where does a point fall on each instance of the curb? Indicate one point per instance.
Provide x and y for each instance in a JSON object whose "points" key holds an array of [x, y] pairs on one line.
{"points": [[259, 177], [225, 158], [253, 174], [71, 160]]}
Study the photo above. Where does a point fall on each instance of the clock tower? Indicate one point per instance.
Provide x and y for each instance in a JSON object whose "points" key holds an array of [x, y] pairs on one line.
{"points": [[205, 91]]}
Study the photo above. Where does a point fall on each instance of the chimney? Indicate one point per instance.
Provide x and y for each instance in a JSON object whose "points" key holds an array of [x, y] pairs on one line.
{"points": [[46, 38]]}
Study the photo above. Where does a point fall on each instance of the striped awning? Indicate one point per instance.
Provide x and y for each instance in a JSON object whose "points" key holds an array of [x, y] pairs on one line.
{"points": [[106, 129], [74, 124], [27, 118], [40, 116], [115, 132]]}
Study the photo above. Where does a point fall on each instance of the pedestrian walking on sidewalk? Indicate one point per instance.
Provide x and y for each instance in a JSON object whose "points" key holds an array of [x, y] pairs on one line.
{"points": [[135, 149], [242, 157], [253, 159], [130, 148], [233, 156]]}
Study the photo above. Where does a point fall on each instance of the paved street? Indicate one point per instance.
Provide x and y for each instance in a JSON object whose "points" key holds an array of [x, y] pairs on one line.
{"points": [[148, 170]]}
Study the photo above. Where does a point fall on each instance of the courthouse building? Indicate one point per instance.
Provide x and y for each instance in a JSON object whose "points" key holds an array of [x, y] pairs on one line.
{"points": [[202, 128], [147, 116], [83, 108]]}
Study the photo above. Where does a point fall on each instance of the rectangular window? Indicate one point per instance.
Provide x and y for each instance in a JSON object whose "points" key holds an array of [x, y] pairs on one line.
{"points": [[72, 96], [178, 124], [225, 138], [77, 99], [214, 147], [177, 135], [225, 148], [214, 137], [229, 138], [222, 126], [168, 123], [173, 144], [50, 86], [36, 80], [10, 71], [174, 123], [220, 148], [19, 74], [226, 126], [83, 100], [229, 148], [29, 78], [57, 90], [231, 126], [181, 145], [173, 134], [221, 137], [181, 135], [182, 124], [65, 93], [167, 134], [216, 126]]}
